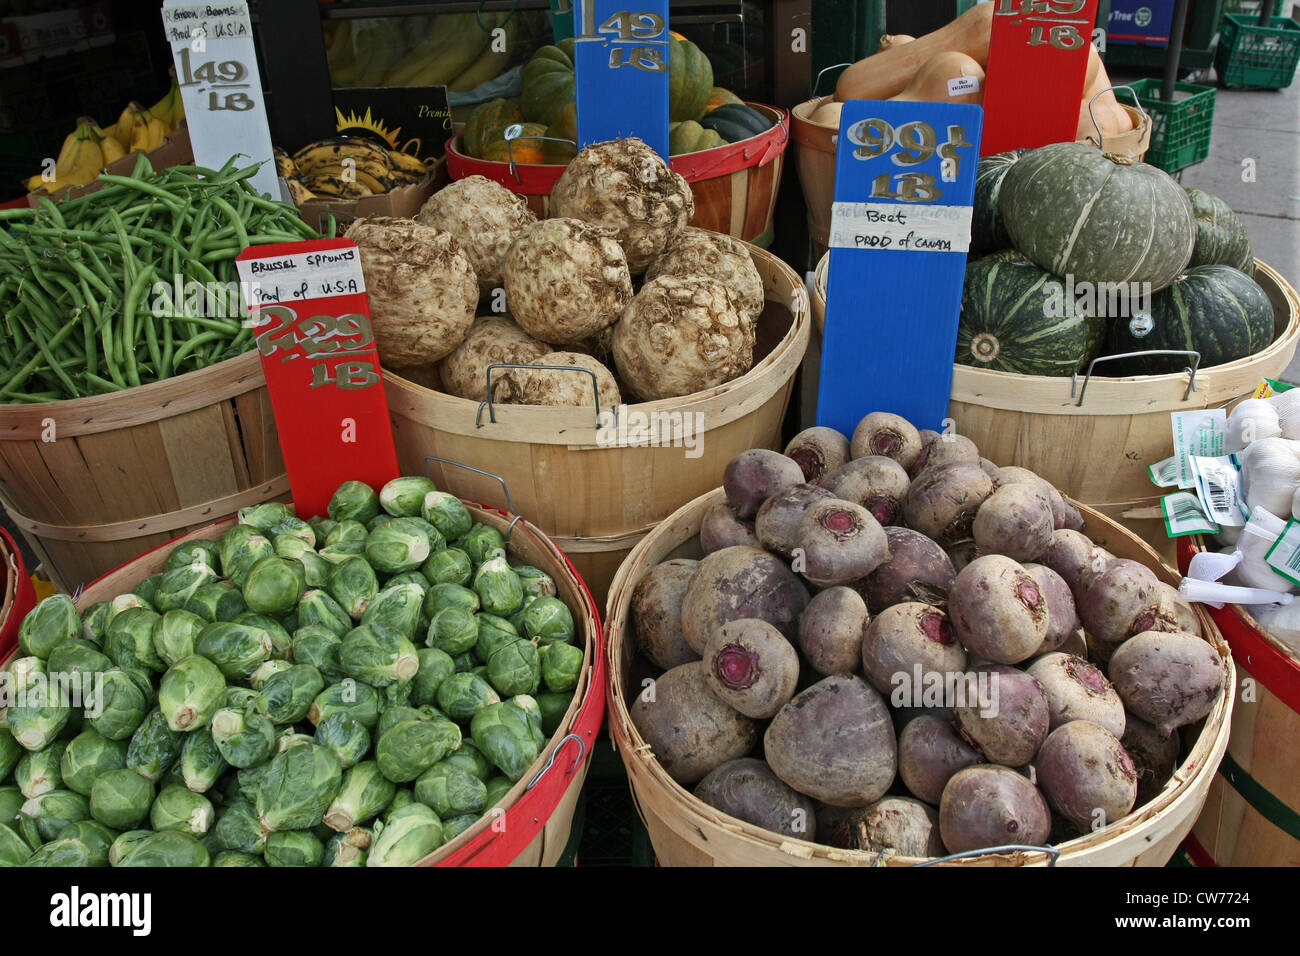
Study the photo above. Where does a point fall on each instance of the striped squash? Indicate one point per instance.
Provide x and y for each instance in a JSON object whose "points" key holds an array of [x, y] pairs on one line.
{"points": [[1221, 237], [1014, 318], [987, 231]]}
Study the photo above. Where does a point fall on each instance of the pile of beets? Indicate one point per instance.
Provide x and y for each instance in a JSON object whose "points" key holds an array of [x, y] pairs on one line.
{"points": [[893, 644]]}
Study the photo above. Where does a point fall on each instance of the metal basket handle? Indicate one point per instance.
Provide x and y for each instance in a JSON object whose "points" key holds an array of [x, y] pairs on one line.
{"points": [[1146, 117], [1191, 370], [582, 753], [1051, 851], [492, 414], [820, 73], [514, 132], [510, 505]]}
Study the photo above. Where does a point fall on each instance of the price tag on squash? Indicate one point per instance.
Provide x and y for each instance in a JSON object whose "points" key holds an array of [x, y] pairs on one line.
{"points": [[1038, 59], [621, 61], [312, 318], [900, 228], [216, 67]]}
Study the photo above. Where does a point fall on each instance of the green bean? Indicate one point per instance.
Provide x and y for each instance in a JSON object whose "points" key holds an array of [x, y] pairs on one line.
{"points": [[195, 343], [141, 186], [22, 212], [129, 329], [55, 367], [228, 327], [102, 383]]}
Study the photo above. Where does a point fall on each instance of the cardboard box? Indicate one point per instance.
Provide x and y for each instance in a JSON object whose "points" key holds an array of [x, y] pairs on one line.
{"points": [[175, 151], [402, 203]]}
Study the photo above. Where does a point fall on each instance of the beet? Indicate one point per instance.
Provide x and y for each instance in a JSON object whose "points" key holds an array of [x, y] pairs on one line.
{"points": [[1062, 617], [1086, 775], [830, 631], [962, 553], [754, 476], [777, 521], [947, 449], [989, 467], [748, 790], [1012, 474], [942, 502], [838, 542], [722, 528], [917, 570], [1072, 518], [1154, 756], [751, 667], [1016, 521], [1167, 679], [908, 646], [930, 751], [737, 583], [1071, 554], [1174, 610], [882, 433], [1098, 652], [687, 727], [998, 610], [1078, 691], [987, 806], [902, 825], [1123, 600], [818, 451], [656, 613], [834, 742], [1016, 723], [1075, 644], [877, 483]]}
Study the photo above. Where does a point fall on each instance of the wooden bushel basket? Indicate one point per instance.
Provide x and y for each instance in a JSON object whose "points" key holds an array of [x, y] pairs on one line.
{"points": [[687, 832], [17, 596]]}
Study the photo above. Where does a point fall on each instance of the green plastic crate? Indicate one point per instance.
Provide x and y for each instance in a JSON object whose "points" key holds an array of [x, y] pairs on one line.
{"points": [[1180, 131], [1255, 57]]}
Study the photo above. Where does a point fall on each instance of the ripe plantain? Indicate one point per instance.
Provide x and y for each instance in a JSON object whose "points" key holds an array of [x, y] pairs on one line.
{"points": [[336, 148], [338, 187], [299, 192], [284, 166], [406, 163], [490, 63]]}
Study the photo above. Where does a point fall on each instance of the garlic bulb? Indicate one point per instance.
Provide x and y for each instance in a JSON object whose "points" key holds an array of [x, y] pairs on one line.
{"points": [[1227, 537], [1281, 622], [1256, 538], [1249, 422], [1270, 475], [1287, 405]]}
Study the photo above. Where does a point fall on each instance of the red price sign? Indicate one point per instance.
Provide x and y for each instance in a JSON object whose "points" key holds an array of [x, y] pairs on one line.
{"points": [[1038, 59], [312, 317]]}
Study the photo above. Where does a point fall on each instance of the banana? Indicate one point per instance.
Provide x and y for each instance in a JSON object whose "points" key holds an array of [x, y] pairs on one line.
{"points": [[337, 187], [340, 44], [336, 148], [449, 34], [110, 147], [81, 160], [124, 129], [451, 64], [170, 108], [490, 63], [299, 192], [375, 183], [406, 163], [284, 166]]}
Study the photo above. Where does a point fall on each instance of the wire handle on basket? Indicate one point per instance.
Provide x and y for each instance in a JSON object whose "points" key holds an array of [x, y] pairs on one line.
{"points": [[492, 412], [1051, 851], [515, 131], [1190, 369], [1146, 117], [582, 754], [510, 505], [820, 73]]}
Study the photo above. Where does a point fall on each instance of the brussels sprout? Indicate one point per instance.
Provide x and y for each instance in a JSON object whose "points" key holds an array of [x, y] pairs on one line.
{"points": [[503, 732], [180, 584], [553, 707], [201, 764], [549, 620], [529, 707], [219, 601], [465, 663], [413, 746], [353, 585], [124, 843], [453, 630], [77, 657], [346, 738], [154, 747], [410, 577], [289, 622], [493, 632], [293, 848], [435, 667], [515, 668], [53, 810], [468, 757], [403, 798], [296, 528], [398, 606], [353, 501], [447, 513], [64, 852], [87, 757], [316, 570], [363, 795], [178, 808], [350, 697], [402, 544], [229, 858], [241, 548], [347, 533], [265, 671], [453, 827], [192, 553], [124, 602], [441, 596], [14, 850], [318, 608], [248, 780], [336, 554], [378, 655], [480, 541], [394, 715], [449, 566], [244, 739], [319, 647], [377, 520], [286, 697], [117, 706], [463, 695], [174, 635], [39, 712], [147, 589], [281, 641], [561, 667], [402, 497], [322, 526], [410, 834], [274, 585], [128, 640], [168, 848], [517, 619], [238, 698], [298, 789], [190, 693], [23, 670], [238, 829], [11, 751], [348, 849], [499, 589], [265, 516], [40, 771], [536, 581], [451, 790], [94, 621], [292, 738], [96, 837], [236, 649]]}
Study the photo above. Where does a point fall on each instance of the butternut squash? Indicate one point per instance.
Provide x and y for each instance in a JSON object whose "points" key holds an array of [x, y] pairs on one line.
{"points": [[828, 114], [933, 82], [1110, 117], [886, 74], [893, 39]]}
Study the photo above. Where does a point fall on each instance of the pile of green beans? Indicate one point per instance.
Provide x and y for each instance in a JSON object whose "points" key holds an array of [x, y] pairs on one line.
{"points": [[76, 279]]}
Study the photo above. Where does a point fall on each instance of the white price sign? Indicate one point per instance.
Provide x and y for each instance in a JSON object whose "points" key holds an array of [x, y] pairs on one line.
{"points": [[216, 66]]}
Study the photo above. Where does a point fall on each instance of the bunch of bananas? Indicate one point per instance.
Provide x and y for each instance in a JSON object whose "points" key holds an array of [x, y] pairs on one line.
{"points": [[347, 167], [453, 51]]}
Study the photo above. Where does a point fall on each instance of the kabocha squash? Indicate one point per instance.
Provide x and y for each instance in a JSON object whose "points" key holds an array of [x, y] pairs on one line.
{"points": [[887, 73], [987, 231], [690, 137], [486, 123], [736, 121], [1014, 319], [1077, 211], [1221, 237], [524, 149], [719, 97], [690, 79], [565, 127], [548, 82], [1216, 310]]}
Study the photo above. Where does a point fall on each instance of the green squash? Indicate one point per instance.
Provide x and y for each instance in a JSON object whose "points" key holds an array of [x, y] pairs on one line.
{"points": [[487, 122], [1077, 212], [987, 231], [691, 137], [1009, 323], [1216, 310], [735, 122], [1221, 237], [548, 82], [690, 80]]}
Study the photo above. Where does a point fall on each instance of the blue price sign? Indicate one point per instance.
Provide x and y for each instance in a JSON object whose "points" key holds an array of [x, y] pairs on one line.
{"points": [[900, 228], [621, 60]]}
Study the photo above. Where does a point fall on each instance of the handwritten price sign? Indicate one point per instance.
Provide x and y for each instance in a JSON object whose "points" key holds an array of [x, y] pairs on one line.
{"points": [[900, 228], [621, 60]]}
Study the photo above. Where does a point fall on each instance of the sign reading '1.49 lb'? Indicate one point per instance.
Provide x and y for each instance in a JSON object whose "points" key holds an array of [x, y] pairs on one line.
{"points": [[621, 61]]}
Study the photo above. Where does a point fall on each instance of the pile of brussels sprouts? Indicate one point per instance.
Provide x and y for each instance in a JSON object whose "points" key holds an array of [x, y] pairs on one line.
{"points": [[354, 690]]}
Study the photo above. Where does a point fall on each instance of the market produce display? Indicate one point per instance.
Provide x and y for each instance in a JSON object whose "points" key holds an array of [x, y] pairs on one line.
{"points": [[82, 316], [356, 689], [347, 167], [818, 667]]}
